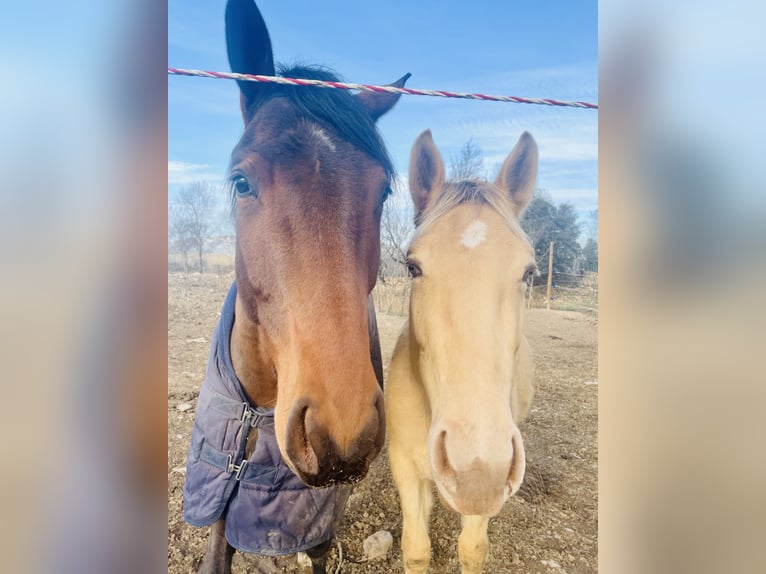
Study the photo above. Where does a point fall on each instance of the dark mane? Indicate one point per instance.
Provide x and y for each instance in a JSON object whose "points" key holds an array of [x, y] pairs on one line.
{"points": [[338, 108]]}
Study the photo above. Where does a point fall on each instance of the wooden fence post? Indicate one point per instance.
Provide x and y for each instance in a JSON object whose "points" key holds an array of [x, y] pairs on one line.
{"points": [[531, 289], [550, 274]]}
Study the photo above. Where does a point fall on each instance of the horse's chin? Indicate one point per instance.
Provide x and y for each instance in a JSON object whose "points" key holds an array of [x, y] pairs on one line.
{"points": [[320, 481], [472, 504]]}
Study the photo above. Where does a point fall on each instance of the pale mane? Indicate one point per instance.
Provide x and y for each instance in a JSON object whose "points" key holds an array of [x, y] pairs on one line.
{"points": [[453, 194]]}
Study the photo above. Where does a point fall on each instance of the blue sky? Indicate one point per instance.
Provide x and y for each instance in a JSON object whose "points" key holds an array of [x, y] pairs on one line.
{"points": [[537, 49]]}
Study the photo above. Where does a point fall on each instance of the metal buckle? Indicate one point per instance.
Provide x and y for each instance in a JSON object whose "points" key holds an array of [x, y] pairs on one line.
{"points": [[239, 468], [249, 415], [245, 412]]}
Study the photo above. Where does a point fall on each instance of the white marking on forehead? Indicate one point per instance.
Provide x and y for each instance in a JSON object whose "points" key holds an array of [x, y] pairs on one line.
{"points": [[322, 137], [474, 234]]}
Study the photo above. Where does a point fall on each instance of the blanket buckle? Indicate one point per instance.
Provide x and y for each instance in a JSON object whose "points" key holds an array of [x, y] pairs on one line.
{"points": [[249, 415], [238, 468]]}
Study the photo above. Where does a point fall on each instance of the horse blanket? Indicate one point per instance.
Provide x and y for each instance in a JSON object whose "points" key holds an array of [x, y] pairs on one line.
{"points": [[269, 510]]}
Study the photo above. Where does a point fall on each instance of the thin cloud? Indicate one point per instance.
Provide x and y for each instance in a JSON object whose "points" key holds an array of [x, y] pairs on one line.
{"points": [[562, 149], [183, 173], [579, 197]]}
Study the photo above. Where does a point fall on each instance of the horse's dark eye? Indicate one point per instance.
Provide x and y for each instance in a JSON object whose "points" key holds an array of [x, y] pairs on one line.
{"points": [[529, 274], [242, 187], [413, 270]]}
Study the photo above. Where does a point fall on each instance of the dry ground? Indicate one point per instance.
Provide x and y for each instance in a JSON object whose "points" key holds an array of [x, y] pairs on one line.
{"points": [[551, 526]]}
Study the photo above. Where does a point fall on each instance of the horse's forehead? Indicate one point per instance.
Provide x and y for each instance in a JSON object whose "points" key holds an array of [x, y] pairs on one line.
{"points": [[271, 133], [282, 136], [473, 231], [474, 234]]}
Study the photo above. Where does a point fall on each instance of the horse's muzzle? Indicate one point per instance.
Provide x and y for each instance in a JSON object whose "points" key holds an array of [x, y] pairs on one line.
{"points": [[317, 457], [475, 484]]}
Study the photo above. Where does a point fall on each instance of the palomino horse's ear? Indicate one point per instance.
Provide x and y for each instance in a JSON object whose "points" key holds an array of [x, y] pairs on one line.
{"points": [[378, 103], [519, 172], [426, 172], [249, 48]]}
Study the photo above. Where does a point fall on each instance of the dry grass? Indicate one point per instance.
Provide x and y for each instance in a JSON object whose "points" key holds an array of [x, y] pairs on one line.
{"points": [[580, 296], [392, 296], [218, 263]]}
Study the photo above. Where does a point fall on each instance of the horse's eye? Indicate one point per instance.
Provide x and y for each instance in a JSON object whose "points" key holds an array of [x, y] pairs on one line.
{"points": [[242, 187], [413, 269], [529, 274]]}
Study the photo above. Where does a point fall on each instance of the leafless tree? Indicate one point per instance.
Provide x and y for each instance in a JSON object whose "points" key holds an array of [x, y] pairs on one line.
{"points": [[179, 239], [468, 163], [192, 218], [396, 227]]}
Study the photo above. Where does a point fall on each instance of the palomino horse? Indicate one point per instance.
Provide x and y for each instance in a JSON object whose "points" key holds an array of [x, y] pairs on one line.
{"points": [[309, 177], [461, 375]]}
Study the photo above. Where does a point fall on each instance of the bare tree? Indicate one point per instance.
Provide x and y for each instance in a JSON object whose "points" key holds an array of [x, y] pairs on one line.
{"points": [[396, 227], [468, 163], [193, 218], [179, 238]]}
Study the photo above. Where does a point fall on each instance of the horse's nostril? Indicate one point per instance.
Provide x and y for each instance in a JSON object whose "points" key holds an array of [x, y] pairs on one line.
{"points": [[518, 463], [316, 456], [299, 448], [441, 461]]}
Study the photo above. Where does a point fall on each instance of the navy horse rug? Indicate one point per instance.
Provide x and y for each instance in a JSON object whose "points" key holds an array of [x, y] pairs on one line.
{"points": [[269, 510]]}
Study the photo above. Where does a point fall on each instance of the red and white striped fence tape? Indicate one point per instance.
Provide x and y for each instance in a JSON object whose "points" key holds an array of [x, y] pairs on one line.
{"points": [[369, 88]]}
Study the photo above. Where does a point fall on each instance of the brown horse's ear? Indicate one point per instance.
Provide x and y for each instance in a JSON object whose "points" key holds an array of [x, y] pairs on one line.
{"points": [[378, 103], [519, 172], [249, 48], [426, 172]]}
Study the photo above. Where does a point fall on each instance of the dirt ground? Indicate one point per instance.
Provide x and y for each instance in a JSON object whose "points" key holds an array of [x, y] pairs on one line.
{"points": [[550, 526]]}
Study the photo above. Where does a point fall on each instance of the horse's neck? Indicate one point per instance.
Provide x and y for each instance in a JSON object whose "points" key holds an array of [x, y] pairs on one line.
{"points": [[251, 361]]}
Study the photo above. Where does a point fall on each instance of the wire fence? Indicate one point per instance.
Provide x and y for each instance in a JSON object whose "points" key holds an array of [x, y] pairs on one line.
{"points": [[572, 292], [219, 264], [569, 291]]}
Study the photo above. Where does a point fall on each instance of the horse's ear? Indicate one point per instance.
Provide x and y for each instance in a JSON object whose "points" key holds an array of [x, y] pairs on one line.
{"points": [[249, 48], [519, 172], [378, 103], [426, 172]]}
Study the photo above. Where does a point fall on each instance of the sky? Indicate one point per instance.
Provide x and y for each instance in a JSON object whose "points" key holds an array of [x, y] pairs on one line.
{"points": [[535, 49]]}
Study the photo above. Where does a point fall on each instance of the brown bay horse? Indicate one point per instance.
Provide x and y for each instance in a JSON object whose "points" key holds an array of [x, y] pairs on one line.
{"points": [[461, 377], [309, 176]]}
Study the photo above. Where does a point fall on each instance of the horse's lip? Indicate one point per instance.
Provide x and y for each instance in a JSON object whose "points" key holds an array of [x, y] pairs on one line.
{"points": [[322, 481], [443, 492], [449, 501], [311, 482], [445, 500]]}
